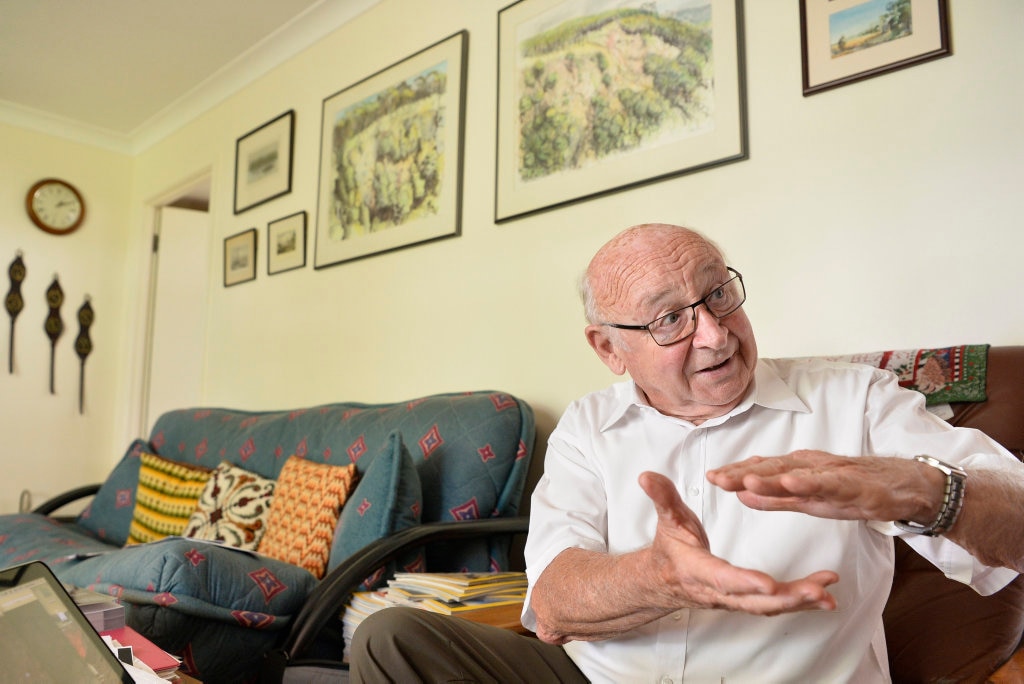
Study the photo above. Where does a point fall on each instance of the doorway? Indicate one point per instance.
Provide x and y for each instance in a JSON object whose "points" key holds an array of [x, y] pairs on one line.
{"points": [[178, 302]]}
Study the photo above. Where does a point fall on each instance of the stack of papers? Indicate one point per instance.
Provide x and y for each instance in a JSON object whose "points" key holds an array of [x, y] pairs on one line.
{"points": [[102, 611], [494, 598], [454, 593], [143, 654]]}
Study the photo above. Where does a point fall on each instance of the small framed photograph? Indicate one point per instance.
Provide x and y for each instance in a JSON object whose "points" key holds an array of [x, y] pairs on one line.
{"points": [[391, 157], [606, 95], [286, 243], [844, 41], [263, 162], [240, 258]]}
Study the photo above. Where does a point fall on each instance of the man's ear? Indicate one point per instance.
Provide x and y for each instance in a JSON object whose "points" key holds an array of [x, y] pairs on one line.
{"points": [[600, 339]]}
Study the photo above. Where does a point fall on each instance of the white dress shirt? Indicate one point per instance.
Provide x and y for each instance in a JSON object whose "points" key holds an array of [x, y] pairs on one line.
{"points": [[589, 498]]}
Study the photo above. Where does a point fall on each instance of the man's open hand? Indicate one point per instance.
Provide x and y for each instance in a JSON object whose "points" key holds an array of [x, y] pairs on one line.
{"points": [[701, 580], [839, 487]]}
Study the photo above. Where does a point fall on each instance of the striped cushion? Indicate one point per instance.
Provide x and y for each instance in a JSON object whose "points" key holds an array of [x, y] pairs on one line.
{"points": [[307, 501], [165, 498]]}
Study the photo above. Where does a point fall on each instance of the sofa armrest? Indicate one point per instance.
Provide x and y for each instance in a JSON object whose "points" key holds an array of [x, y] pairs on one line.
{"points": [[61, 500], [328, 599], [1012, 671]]}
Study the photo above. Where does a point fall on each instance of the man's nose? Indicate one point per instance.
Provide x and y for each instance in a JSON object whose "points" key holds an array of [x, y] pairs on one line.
{"points": [[710, 332]]}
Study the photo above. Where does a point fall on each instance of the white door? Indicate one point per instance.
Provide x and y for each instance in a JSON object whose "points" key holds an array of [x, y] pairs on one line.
{"points": [[177, 348]]}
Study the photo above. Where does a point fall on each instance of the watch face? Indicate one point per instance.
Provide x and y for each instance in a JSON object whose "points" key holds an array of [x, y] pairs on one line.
{"points": [[55, 206]]}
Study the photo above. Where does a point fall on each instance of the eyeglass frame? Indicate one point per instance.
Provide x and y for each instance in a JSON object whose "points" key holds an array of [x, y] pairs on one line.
{"points": [[693, 307]]}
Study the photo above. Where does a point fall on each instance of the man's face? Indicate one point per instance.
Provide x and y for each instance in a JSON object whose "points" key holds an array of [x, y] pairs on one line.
{"points": [[703, 376]]}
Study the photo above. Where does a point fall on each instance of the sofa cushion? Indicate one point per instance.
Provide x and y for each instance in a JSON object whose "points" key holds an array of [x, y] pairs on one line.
{"points": [[179, 590], [109, 514], [166, 495], [387, 499], [28, 537], [307, 500], [232, 508]]}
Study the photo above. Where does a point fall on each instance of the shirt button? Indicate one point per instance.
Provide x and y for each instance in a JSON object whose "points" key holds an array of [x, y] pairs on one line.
{"points": [[665, 679], [693, 491]]}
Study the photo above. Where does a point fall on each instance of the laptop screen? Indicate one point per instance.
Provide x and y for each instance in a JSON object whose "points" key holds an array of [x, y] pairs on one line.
{"points": [[44, 637]]}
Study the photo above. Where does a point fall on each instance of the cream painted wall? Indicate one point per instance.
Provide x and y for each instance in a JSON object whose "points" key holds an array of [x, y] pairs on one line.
{"points": [[46, 446], [883, 214]]}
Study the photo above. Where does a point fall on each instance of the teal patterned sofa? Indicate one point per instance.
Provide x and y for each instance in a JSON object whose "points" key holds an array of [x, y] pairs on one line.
{"points": [[454, 461]]}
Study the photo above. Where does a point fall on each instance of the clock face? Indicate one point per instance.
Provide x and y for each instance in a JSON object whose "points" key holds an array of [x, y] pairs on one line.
{"points": [[55, 206]]}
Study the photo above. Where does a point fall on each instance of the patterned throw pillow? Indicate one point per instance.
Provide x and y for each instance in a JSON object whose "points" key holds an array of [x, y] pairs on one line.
{"points": [[165, 498], [387, 499], [307, 502], [109, 515], [232, 508]]}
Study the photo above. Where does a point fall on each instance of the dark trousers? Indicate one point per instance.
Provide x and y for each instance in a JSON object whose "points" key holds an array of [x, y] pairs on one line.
{"points": [[410, 645]]}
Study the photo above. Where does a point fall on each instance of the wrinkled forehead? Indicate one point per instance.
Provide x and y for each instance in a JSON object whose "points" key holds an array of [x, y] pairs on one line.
{"points": [[645, 270]]}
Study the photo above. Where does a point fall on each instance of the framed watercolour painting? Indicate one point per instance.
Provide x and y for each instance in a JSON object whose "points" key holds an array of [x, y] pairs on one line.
{"points": [[843, 41], [240, 258], [391, 157], [597, 96], [263, 162], [286, 243]]}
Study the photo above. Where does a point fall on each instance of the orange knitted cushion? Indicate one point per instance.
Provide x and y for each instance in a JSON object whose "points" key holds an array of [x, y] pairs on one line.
{"points": [[307, 501]]}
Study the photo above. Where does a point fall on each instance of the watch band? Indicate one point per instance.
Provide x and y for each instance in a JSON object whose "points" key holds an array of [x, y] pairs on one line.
{"points": [[952, 500]]}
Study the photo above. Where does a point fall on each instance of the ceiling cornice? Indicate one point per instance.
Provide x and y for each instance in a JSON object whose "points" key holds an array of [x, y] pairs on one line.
{"points": [[292, 38]]}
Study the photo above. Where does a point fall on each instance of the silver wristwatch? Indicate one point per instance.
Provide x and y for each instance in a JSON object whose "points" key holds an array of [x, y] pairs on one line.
{"points": [[952, 500]]}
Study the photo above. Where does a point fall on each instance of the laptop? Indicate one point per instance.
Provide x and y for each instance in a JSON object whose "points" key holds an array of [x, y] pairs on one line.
{"points": [[45, 637]]}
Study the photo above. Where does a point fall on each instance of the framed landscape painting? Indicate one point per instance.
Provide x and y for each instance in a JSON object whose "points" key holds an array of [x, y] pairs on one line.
{"points": [[286, 243], [263, 162], [843, 41], [240, 258], [391, 157], [596, 96]]}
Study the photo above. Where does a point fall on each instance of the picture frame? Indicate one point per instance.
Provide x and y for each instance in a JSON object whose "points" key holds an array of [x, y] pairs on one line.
{"points": [[624, 107], [240, 257], [263, 162], [844, 41], [286, 243], [391, 156]]}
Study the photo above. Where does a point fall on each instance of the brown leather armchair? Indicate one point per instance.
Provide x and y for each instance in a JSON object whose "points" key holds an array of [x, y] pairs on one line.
{"points": [[939, 630]]}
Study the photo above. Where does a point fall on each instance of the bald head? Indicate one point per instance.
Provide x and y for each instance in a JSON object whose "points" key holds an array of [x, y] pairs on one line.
{"points": [[621, 260]]}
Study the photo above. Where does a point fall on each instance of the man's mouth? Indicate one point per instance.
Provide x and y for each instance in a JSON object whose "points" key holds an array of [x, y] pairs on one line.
{"points": [[711, 369]]}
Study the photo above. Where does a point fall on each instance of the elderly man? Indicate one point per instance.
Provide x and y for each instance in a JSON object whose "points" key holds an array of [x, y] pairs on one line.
{"points": [[719, 518]]}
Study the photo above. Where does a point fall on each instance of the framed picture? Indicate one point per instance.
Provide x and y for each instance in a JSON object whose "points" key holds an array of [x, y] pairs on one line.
{"points": [[606, 95], [263, 162], [240, 258], [391, 156], [286, 243], [843, 41]]}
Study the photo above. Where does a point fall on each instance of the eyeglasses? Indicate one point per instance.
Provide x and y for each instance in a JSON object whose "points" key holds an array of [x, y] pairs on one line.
{"points": [[677, 325]]}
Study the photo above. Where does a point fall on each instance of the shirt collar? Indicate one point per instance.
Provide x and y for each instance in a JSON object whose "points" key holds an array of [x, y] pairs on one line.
{"points": [[769, 391]]}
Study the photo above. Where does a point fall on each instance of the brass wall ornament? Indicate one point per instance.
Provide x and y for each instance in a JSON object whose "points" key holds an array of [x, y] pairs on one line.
{"points": [[83, 346], [54, 325], [15, 302]]}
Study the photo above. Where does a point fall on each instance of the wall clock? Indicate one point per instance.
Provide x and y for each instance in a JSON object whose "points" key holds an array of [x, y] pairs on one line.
{"points": [[55, 206]]}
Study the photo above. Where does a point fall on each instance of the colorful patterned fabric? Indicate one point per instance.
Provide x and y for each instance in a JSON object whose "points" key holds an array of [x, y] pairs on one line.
{"points": [[942, 375], [232, 508], [165, 498], [109, 515], [387, 499], [222, 609], [307, 502]]}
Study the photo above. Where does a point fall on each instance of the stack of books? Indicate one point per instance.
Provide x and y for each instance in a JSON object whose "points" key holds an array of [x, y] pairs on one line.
{"points": [[495, 598]]}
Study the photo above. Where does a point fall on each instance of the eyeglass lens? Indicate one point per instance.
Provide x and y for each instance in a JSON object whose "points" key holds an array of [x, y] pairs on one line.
{"points": [[683, 322]]}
